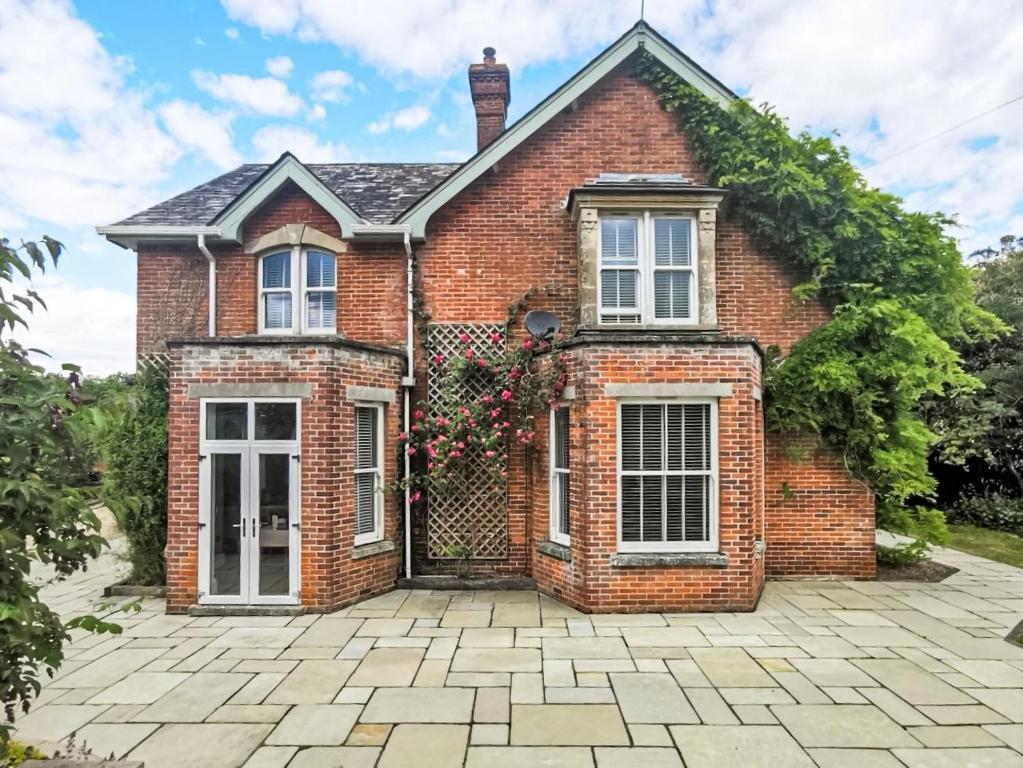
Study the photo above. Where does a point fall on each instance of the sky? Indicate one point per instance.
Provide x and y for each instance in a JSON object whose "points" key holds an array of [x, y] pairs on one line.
{"points": [[109, 106]]}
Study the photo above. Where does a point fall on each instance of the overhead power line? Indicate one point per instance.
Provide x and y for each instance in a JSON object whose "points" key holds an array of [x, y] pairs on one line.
{"points": [[945, 132]]}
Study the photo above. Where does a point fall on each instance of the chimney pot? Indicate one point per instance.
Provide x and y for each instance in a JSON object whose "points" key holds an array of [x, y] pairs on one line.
{"points": [[489, 85]]}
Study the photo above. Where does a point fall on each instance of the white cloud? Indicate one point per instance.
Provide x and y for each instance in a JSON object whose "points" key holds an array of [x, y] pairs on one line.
{"points": [[408, 119], [261, 95], [231, 33], [271, 141], [80, 147], [206, 132], [316, 113], [89, 326], [280, 66], [331, 85]]}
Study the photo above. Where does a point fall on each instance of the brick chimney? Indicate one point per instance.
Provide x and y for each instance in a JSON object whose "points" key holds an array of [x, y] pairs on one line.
{"points": [[491, 92]]}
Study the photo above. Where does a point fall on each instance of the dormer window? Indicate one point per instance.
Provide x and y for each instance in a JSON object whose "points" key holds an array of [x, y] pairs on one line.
{"points": [[647, 269], [298, 292]]}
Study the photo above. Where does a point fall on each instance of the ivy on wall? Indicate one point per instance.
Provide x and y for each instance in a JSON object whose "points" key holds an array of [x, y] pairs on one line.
{"points": [[894, 279]]}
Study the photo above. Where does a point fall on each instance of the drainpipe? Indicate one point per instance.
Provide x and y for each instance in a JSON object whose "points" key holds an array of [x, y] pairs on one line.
{"points": [[213, 283], [407, 384]]}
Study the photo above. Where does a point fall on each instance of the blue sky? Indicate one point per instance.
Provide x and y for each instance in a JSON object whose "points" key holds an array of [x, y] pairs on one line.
{"points": [[107, 107]]}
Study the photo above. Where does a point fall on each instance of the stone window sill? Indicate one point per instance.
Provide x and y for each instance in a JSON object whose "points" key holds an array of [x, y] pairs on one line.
{"points": [[555, 550], [373, 548], [669, 560]]}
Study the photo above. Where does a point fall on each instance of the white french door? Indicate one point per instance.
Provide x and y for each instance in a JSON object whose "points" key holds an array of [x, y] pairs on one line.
{"points": [[249, 511]]}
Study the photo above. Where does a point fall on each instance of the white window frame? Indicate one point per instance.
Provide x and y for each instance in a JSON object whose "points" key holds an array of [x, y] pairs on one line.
{"points": [[712, 545], [299, 294], [377, 534], [647, 269], [555, 475]]}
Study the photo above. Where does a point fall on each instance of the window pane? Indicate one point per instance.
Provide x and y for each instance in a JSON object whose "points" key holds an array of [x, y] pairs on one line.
{"points": [[674, 507], [277, 310], [632, 501], [618, 288], [227, 421], [277, 270], [321, 310], [697, 507], [652, 430], [275, 421], [652, 488], [365, 503], [673, 438], [671, 295], [631, 426], [697, 436], [618, 241], [563, 499], [671, 243], [319, 270], [561, 438], [366, 438]]}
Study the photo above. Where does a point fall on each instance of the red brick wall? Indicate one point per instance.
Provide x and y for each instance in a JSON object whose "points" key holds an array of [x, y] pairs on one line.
{"points": [[590, 581], [329, 575], [820, 520]]}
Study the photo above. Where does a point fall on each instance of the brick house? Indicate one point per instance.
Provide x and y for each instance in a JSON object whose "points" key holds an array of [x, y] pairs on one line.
{"points": [[282, 297]]}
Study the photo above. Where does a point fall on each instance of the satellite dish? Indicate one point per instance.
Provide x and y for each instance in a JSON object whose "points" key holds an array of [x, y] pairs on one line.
{"points": [[542, 324]]}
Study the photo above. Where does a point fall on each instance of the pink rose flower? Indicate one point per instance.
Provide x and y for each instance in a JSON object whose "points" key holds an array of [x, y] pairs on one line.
{"points": [[527, 343], [438, 359], [411, 450], [496, 338], [468, 354], [506, 395], [464, 338]]}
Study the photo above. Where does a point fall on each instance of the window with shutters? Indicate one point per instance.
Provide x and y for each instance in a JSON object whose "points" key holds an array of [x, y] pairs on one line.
{"points": [[647, 270], [667, 476], [298, 292], [559, 476], [369, 478]]}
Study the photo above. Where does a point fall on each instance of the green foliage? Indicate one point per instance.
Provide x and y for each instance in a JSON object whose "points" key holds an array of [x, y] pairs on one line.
{"points": [[993, 511], [894, 278], [15, 753], [984, 428], [42, 518], [902, 554], [135, 484]]}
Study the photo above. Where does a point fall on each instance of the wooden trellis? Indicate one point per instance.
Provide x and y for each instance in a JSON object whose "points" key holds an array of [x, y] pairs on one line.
{"points": [[471, 513]]}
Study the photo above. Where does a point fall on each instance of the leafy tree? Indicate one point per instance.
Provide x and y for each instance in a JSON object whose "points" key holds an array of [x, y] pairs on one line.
{"points": [[135, 484], [983, 430], [895, 280], [42, 518]]}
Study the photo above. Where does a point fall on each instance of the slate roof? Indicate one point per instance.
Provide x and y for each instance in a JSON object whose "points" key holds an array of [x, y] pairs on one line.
{"points": [[378, 192]]}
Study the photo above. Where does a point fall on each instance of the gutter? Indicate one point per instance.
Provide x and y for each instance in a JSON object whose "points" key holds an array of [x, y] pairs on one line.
{"points": [[212, 302], [408, 382]]}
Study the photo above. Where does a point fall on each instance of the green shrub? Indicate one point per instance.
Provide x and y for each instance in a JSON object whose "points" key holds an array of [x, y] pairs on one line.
{"points": [[902, 554], [135, 484], [15, 753], [992, 511]]}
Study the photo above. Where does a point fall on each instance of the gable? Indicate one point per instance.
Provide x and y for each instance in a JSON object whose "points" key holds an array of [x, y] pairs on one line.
{"points": [[640, 38], [286, 169]]}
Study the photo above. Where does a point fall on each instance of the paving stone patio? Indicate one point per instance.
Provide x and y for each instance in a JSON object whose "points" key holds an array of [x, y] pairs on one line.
{"points": [[828, 674]]}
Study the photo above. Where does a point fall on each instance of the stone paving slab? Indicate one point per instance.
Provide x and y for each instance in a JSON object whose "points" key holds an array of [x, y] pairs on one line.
{"points": [[837, 674]]}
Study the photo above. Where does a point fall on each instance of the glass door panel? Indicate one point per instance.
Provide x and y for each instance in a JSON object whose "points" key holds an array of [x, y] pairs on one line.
{"points": [[228, 543], [273, 518]]}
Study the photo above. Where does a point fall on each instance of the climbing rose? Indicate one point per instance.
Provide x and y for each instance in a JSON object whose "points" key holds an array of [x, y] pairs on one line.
{"points": [[438, 359], [506, 395], [411, 450], [464, 338], [496, 338], [527, 343]]}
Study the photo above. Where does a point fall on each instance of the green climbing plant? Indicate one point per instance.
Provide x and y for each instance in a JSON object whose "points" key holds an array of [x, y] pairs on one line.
{"points": [[894, 279]]}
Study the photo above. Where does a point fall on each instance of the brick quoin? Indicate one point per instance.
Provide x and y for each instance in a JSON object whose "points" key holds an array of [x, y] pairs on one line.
{"points": [[506, 234]]}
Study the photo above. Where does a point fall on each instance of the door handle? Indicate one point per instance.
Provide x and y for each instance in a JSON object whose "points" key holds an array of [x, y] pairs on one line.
{"points": [[240, 525]]}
